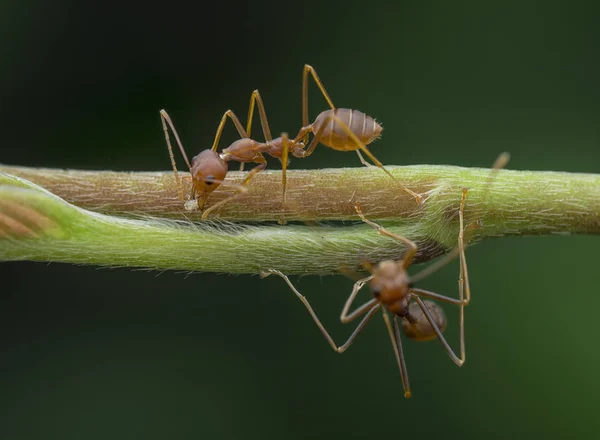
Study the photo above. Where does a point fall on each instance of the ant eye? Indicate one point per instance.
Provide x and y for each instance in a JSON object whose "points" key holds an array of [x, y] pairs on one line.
{"points": [[411, 285], [209, 180], [377, 292]]}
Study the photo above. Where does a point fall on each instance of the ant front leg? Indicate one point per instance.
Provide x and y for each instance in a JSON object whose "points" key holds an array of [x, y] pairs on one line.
{"points": [[242, 188], [165, 119], [374, 307], [284, 162], [411, 246]]}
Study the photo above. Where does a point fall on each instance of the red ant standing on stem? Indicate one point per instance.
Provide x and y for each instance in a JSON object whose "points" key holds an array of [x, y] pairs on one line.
{"points": [[394, 291], [338, 128]]}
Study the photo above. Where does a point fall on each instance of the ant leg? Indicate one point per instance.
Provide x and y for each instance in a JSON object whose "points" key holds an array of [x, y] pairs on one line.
{"points": [[363, 147], [458, 361], [463, 280], [241, 188], [238, 125], [342, 348], [346, 317], [164, 117], [398, 352], [309, 69], [437, 296], [284, 163], [362, 159], [412, 247], [458, 251], [315, 140], [256, 99], [499, 163]]}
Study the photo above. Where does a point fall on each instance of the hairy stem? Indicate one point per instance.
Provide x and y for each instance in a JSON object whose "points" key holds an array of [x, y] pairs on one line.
{"points": [[517, 202], [38, 225]]}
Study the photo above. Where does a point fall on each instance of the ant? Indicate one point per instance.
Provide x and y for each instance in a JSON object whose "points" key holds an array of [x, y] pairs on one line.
{"points": [[209, 168], [338, 128], [394, 291]]}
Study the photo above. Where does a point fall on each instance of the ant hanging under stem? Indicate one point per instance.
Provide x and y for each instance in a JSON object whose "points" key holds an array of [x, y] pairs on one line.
{"points": [[394, 291], [338, 128]]}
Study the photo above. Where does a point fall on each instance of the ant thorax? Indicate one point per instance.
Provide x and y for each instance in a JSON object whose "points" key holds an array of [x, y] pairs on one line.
{"points": [[274, 148], [242, 150], [390, 285]]}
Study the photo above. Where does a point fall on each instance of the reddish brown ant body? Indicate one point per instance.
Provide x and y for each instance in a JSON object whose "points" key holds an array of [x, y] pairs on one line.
{"points": [[209, 168], [394, 291], [338, 128]]}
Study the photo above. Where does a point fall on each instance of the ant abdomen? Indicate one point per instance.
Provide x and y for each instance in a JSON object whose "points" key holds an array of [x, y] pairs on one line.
{"points": [[362, 125], [417, 327]]}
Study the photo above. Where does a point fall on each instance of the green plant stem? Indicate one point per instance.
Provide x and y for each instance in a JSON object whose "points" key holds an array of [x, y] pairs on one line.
{"points": [[517, 203]]}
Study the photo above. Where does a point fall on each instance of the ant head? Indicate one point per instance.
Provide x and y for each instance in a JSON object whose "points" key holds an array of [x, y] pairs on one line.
{"points": [[208, 171], [390, 285], [417, 327]]}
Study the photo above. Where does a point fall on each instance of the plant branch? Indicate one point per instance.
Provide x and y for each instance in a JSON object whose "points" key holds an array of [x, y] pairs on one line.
{"points": [[37, 224], [518, 202]]}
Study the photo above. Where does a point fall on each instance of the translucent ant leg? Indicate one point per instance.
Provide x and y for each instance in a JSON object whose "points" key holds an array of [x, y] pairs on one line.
{"points": [[459, 302], [241, 188], [398, 352], [500, 162], [459, 250], [458, 361], [284, 163], [437, 296], [236, 122], [362, 159], [463, 280], [363, 148], [165, 119], [309, 69], [412, 247], [342, 348]]}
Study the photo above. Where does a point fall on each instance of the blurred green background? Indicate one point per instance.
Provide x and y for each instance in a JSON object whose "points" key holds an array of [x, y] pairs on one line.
{"points": [[89, 353]]}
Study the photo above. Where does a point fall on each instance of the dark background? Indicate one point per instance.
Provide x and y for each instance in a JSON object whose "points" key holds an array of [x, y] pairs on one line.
{"points": [[104, 353]]}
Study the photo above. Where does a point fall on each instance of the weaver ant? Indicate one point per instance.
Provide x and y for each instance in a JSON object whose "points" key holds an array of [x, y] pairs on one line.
{"points": [[394, 291], [338, 128]]}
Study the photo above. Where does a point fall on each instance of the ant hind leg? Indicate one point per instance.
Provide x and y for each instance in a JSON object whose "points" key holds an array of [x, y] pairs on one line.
{"points": [[309, 69], [374, 307], [418, 198]]}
